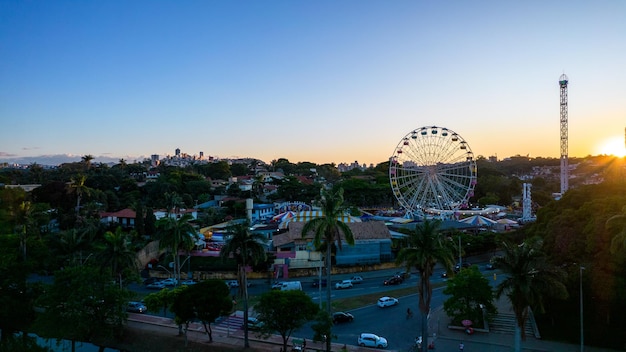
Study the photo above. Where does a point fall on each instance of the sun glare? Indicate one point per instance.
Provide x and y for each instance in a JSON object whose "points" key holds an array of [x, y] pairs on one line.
{"points": [[614, 146]]}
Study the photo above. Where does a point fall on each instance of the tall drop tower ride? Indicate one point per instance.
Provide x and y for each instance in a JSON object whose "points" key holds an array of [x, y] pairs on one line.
{"points": [[564, 159]]}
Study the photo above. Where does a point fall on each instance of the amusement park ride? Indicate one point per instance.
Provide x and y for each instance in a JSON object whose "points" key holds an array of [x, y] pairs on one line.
{"points": [[432, 172]]}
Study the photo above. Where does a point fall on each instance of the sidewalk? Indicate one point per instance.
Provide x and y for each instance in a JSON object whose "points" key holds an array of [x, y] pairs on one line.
{"points": [[234, 336], [449, 339]]}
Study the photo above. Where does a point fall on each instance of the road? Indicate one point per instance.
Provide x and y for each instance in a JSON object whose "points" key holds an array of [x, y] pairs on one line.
{"points": [[389, 322]]}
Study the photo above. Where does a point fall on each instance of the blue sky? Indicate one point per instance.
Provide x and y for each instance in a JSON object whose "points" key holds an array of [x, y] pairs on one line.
{"points": [[320, 81]]}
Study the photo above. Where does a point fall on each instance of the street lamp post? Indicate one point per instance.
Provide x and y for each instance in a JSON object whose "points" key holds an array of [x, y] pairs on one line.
{"points": [[164, 268], [582, 336], [460, 258], [188, 268]]}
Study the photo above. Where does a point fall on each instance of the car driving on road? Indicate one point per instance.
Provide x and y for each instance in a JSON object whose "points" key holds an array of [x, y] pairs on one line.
{"points": [[394, 280], [371, 340], [136, 307], [342, 317], [357, 279], [343, 284], [387, 301]]}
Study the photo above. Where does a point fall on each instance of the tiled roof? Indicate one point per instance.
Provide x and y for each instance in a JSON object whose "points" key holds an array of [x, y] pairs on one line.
{"points": [[368, 230]]}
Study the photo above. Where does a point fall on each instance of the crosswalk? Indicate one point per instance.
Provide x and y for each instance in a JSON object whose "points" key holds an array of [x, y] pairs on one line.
{"points": [[226, 325]]}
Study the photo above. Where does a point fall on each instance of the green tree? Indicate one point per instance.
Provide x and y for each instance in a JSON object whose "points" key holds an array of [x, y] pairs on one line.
{"points": [[327, 231], [116, 253], [426, 247], [160, 300], [284, 312], [86, 159], [80, 189], [205, 302], [176, 234], [247, 249], [616, 224], [82, 304], [529, 279], [471, 297]]}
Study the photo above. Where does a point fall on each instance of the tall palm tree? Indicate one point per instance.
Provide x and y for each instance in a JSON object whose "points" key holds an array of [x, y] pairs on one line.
{"points": [[69, 246], [426, 246], [617, 225], [78, 185], [117, 253], [25, 224], [327, 231], [172, 202], [247, 248], [87, 160], [529, 278], [176, 234]]}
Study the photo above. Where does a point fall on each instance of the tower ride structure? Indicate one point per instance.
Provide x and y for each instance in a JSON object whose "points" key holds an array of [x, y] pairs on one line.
{"points": [[563, 80]]}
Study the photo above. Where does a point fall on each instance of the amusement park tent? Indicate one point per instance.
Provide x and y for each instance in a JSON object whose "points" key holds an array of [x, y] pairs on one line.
{"points": [[478, 220], [284, 216], [507, 221], [304, 216]]}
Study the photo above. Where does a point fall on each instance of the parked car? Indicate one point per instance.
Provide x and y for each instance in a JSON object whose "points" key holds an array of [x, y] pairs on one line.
{"points": [[254, 324], [343, 284], [232, 283], [188, 282], [371, 340], [277, 285], [394, 280], [342, 317], [357, 279], [136, 307], [158, 285], [150, 280], [387, 301], [170, 282]]}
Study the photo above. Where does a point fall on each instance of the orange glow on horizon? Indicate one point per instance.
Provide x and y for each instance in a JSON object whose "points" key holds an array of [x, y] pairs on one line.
{"points": [[613, 146]]}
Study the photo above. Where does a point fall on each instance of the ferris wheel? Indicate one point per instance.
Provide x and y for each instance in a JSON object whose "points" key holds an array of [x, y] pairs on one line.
{"points": [[432, 170]]}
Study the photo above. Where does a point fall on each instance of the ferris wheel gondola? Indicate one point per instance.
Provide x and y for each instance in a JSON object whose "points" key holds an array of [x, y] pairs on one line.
{"points": [[432, 170]]}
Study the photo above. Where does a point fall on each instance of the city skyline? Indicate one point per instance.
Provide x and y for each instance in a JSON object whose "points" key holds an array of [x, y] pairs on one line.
{"points": [[323, 82]]}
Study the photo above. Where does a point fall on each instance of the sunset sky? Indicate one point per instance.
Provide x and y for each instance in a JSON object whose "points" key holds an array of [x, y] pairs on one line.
{"points": [[319, 81]]}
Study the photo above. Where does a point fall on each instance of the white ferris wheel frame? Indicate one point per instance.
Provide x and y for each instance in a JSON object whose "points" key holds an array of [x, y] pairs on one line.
{"points": [[432, 170]]}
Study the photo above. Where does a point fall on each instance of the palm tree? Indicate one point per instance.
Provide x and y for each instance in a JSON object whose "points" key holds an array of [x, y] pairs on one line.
{"points": [[172, 202], [87, 160], [176, 234], [69, 246], [25, 224], [327, 230], [529, 278], [617, 224], [426, 246], [78, 185], [247, 248], [117, 253]]}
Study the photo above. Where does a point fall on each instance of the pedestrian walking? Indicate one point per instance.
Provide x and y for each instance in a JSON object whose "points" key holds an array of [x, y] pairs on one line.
{"points": [[461, 347]]}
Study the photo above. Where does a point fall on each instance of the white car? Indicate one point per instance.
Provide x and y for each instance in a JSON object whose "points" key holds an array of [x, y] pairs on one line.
{"points": [[387, 302], [357, 279], [157, 285], [169, 282], [232, 283], [343, 284], [371, 340]]}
